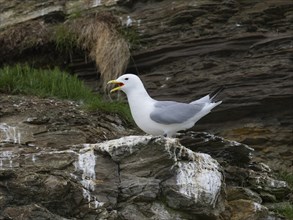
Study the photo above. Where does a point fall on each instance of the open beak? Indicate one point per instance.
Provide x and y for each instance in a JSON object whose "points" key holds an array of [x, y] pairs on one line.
{"points": [[120, 84]]}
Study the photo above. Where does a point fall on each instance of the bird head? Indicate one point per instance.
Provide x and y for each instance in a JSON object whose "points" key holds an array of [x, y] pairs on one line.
{"points": [[126, 82]]}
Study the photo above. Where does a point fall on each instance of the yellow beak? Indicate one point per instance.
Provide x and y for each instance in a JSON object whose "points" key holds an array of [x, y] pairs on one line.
{"points": [[120, 84]]}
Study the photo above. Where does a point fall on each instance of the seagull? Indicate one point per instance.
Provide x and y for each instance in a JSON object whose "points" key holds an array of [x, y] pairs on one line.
{"points": [[162, 117]]}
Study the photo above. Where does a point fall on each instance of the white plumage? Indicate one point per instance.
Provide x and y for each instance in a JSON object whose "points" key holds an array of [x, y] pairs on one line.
{"points": [[162, 117]]}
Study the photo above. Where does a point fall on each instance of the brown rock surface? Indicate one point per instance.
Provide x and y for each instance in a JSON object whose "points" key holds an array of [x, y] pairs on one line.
{"points": [[52, 166], [246, 209], [192, 47], [41, 122], [186, 49], [182, 50]]}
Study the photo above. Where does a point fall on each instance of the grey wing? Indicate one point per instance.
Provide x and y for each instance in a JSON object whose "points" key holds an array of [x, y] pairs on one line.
{"points": [[167, 112]]}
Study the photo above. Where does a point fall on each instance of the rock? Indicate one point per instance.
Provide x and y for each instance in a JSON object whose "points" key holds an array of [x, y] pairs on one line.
{"points": [[53, 123], [30, 212], [239, 168], [135, 177], [267, 197], [179, 176], [236, 193], [189, 49], [225, 151], [37, 121], [50, 11], [131, 177], [184, 52], [262, 182], [9, 133], [278, 205], [247, 209]]}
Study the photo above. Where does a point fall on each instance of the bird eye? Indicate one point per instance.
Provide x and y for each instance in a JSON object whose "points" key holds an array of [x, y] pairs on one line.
{"points": [[126, 78]]}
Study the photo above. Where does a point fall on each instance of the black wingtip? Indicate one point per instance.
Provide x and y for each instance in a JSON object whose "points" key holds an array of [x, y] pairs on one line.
{"points": [[216, 92]]}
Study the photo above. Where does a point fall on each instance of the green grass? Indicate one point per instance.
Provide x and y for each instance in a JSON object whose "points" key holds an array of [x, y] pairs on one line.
{"points": [[65, 39], [131, 35], [22, 79], [285, 210], [286, 176]]}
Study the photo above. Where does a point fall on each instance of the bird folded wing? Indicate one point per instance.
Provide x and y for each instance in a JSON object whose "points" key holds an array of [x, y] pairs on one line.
{"points": [[168, 112]]}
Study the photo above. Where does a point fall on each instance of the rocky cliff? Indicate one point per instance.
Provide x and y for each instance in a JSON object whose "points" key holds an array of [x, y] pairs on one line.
{"points": [[51, 167], [182, 50], [245, 45]]}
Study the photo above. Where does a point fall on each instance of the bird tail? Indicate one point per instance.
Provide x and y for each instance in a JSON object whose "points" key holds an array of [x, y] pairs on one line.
{"points": [[210, 97], [213, 94]]}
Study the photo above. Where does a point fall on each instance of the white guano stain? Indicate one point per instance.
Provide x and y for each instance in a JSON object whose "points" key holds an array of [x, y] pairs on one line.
{"points": [[9, 134], [129, 141], [199, 183], [198, 179], [86, 163], [96, 3], [6, 159]]}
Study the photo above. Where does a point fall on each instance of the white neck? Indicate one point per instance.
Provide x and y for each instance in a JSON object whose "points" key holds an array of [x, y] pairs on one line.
{"points": [[140, 104], [140, 95]]}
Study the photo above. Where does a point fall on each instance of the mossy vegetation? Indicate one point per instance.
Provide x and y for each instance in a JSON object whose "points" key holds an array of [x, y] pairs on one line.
{"points": [[77, 13], [22, 79], [43, 44], [65, 39], [286, 176], [131, 35], [94, 34], [286, 210]]}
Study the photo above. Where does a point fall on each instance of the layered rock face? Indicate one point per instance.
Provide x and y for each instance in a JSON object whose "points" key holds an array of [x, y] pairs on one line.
{"points": [[186, 49], [192, 47], [135, 177], [67, 169], [56, 161], [129, 178]]}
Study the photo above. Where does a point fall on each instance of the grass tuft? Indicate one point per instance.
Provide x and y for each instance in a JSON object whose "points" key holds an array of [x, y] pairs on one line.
{"points": [[100, 36], [131, 35], [65, 39], [22, 79], [97, 34]]}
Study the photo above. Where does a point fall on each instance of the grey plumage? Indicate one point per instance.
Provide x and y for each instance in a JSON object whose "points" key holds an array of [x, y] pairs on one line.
{"points": [[169, 112]]}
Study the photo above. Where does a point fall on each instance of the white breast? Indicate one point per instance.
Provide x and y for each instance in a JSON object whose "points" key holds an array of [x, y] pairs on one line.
{"points": [[141, 107]]}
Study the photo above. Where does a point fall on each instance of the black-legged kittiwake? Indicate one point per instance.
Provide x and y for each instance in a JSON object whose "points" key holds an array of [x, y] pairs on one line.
{"points": [[162, 117]]}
